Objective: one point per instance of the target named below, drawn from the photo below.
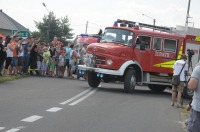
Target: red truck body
(133, 55)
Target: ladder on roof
(132, 24)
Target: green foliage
(58, 27)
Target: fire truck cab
(130, 54)
(87, 38)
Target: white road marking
(32, 118)
(75, 97)
(15, 129)
(54, 109)
(1, 128)
(84, 97)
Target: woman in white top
(9, 52)
(20, 50)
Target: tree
(58, 27)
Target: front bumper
(100, 70)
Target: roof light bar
(132, 24)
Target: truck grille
(100, 60)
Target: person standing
(82, 56)
(178, 65)
(46, 56)
(33, 57)
(20, 50)
(61, 64)
(74, 56)
(14, 43)
(193, 123)
(67, 58)
(26, 56)
(83, 53)
(2, 55)
(9, 52)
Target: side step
(163, 79)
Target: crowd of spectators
(34, 57)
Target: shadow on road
(144, 91)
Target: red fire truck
(130, 53)
(87, 38)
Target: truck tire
(187, 93)
(129, 81)
(157, 88)
(93, 80)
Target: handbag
(176, 78)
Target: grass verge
(11, 78)
(184, 115)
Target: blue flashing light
(83, 72)
(101, 75)
(84, 35)
(98, 74)
(79, 71)
(115, 23)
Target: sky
(103, 13)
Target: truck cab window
(143, 40)
(118, 36)
(170, 45)
(157, 43)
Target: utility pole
(154, 20)
(188, 14)
(86, 27)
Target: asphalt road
(37, 104)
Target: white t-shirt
(82, 53)
(177, 68)
(8, 51)
(21, 54)
(196, 98)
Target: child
(46, 56)
(61, 64)
(52, 66)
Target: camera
(190, 52)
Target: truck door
(164, 54)
(143, 51)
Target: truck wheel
(157, 88)
(93, 80)
(187, 93)
(129, 81)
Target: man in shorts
(178, 65)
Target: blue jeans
(193, 123)
(26, 60)
(14, 61)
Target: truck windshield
(119, 36)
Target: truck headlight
(109, 62)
